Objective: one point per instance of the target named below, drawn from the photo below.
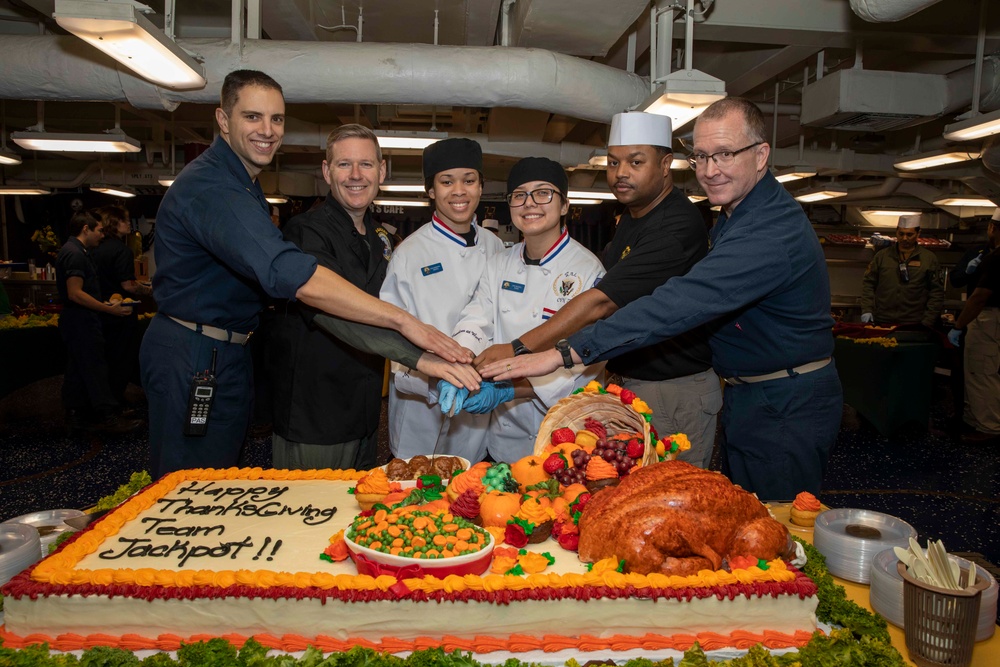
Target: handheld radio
(200, 401)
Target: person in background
(765, 288)
(902, 284)
(661, 235)
(433, 275)
(522, 287)
(116, 274)
(980, 321)
(218, 256)
(86, 392)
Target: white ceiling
(543, 80)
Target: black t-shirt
(115, 264)
(643, 255)
(73, 261)
(989, 271)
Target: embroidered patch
(383, 236)
(547, 313)
(512, 287)
(625, 252)
(432, 269)
(567, 285)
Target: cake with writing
(236, 553)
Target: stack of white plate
(49, 524)
(887, 593)
(19, 548)
(850, 538)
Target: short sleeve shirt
(74, 261)
(115, 264)
(990, 272)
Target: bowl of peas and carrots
(439, 542)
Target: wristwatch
(519, 347)
(563, 347)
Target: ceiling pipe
(64, 68)
(888, 11)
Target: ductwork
(887, 11)
(65, 68)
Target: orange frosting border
(60, 568)
(481, 644)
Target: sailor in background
(433, 275)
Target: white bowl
(476, 563)
(410, 483)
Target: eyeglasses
(721, 159)
(540, 196)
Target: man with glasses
(661, 235)
(902, 284)
(764, 288)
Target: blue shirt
(763, 287)
(217, 252)
(74, 261)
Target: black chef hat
(538, 169)
(452, 154)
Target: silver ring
(508, 368)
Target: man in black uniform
(661, 235)
(327, 394)
(86, 393)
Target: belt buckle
(247, 339)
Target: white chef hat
(908, 221)
(638, 128)
(996, 215)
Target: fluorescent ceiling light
(601, 162)
(715, 208)
(694, 199)
(410, 140)
(583, 202)
(885, 217)
(934, 159)
(590, 194)
(8, 157)
(115, 142)
(114, 190)
(680, 164)
(401, 202)
(117, 29)
(794, 174)
(276, 198)
(166, 181)
(960, 200)
(683, 95)
(23, 190)
(598, 158)
(973, 128)
(892, 212)
(402, 187)
(820, 194)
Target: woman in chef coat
(523, 286)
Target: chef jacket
(919, 300)
(514, 297)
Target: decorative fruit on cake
(529, 470)
(674, 518)
(497, 507)
(499, 478)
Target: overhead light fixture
(276, 198)
(964, 200)
(715, 208)
(973, 128)
(166, 181)
(683, 95)
(401, 202)
(114, 190)
(895, 212)
(601, 162)
(599, 158)
(590, 194)
(402, 187)
(885, 217)
(794, 174)
(694, 199)
(8, 157)
(934, 159)
(119, 30)
(680, 164)
(408, 140)
(820, 194)
(24, 190)
(76, 143)
(583, 202)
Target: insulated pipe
(887, 11)
(64, 68)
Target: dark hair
(753, 119)
(351, 131)
(238, 80)
(79, 221)
(110, 216)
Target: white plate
(49, 524)
(410, 483)
(475, 563)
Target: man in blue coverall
(765, 289)
(217, 257)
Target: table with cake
(597, 546)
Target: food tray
(410, 483)
(19, 548)
(849, 539)
(49, 524)
(476, 563)
(845, 239)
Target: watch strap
(519, 347)
(567, 355)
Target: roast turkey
(674, 518)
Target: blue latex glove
(954, 337)
(449, 395)
(490, 396)
(973, 264)
(867, 318)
